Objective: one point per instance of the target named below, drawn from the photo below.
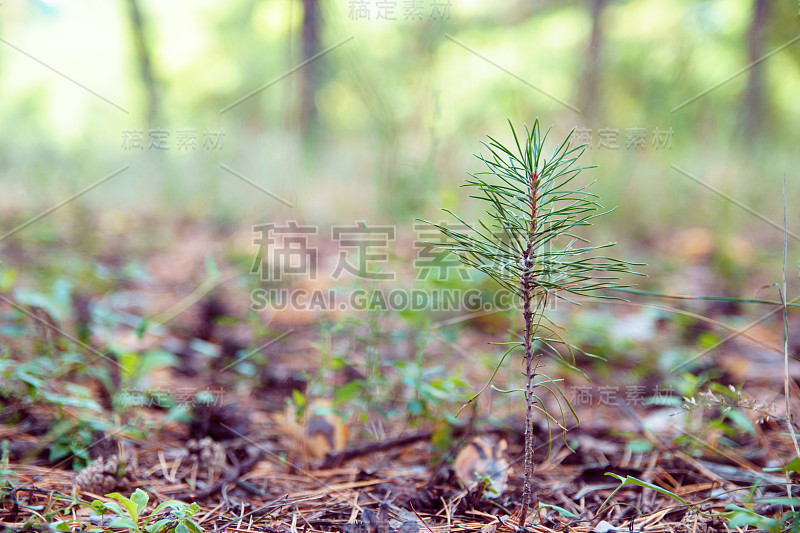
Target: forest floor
(316, 419)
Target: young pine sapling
(529, 247)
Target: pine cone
(102, 476)
(207, 454)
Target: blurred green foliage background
(359, 111)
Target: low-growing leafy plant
(428, 387)
(5, 473)
(529, 246)
(177, 515)
(741, 517)
(72, 439)
(630, 480)
(737, 515)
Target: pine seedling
(529, 246)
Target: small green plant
(6, 474)
(736, 515)
(361, 353)
(740, 517)
(71, 439)
(529, 247)
(630, 480)
(788, 521)
(428, 387)
(176, 519)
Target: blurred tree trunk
(308, 118)
(754, 99)
(141, 45)
(591, 69)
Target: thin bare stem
(528, 294)
(786, 328)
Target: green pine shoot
(529, 246)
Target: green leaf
(744, 517)
(130, 505)
(59, 449)
(140, 498)
(785, 500)
(638, 482)
(56, 303)
(298, 398)
(155, 359)
(563, 512)
(414, 407)
(665, 400)
(125, 523)
(639, 446)
(741, 420)
(7, 279)
(128, 364)
(115, 508)
(211, 268)
(102, 508)
(629, 480)
(347, 392)
(192, 526)
(792, 518)
(173, 504)
(793, 466)
(157, 526)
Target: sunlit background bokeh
(372, 110)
